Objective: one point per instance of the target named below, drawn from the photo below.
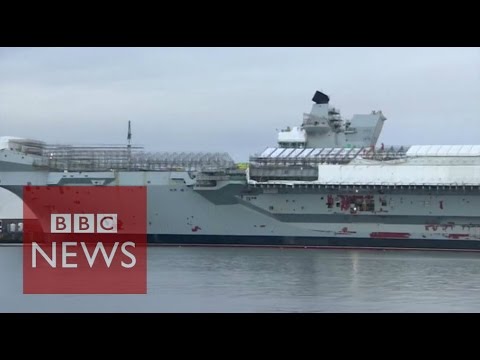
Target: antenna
(129, 136)
(129, 144)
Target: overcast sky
(234, 99)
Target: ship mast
(129, 144)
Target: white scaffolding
(118, 157)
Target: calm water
(273, 280)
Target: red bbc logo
(84, 240)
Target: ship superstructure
(325, 184)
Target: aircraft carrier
(325, 184)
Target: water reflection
(274, 280)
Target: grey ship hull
(234, 214)
(325, 186)
(245, 219)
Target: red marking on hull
(457, 236)
(196, 228)
(389, 235)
